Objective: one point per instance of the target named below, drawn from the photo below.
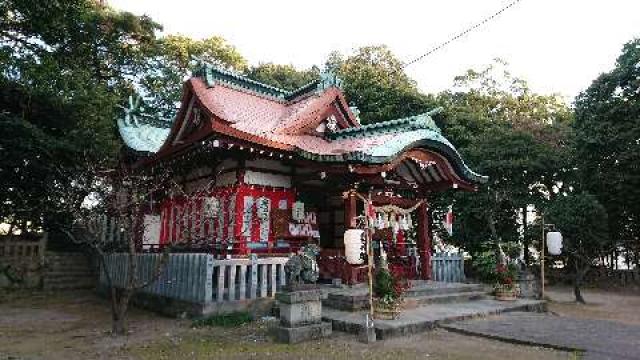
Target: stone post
(301, 316)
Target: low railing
(200, 278)
(447, 267)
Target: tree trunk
(119, 305)
(526, 240)
(579, 276)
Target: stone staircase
(67, 271)
(428, 304)
(420, 293)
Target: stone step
(426, 317)
(68, 286)
(70, 275)
(448, 298)
(58, 272)
(73, 270)
(64, 253)
(67, 261)
(353, 299)
(70, 280)
(437, 288)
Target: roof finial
(329, 79)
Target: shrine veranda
(268, 170)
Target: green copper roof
(212, 74)
(413, 132)
(422, 121)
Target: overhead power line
(461, 34)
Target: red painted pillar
(424, 241)
(240, 241)
(350, 211)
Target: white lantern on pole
(353, 246)
(554, 242)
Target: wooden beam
(424, 242)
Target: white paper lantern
(353, 246)
(554, 242)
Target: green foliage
(517, 138)
(483, 266)
(607, 145)
(65, 69)
(66, 66)
(582, 220)
(171, 61)
(389, 286)
(283, 76)
(376, 83)
(383, 285)
(233, 319)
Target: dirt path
(76, 326)
(71, 326)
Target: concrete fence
(21, 261)
(18, 249)
(447, 267)
(201, 279)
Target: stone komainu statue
(303, 268)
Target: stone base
(303, 333)
(529, 285)
(367, 335)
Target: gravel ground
(76, 326)
(622, 305)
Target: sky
(558, 46)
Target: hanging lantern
(353, 246)
(554, 242)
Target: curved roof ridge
(211, 73)
(415, 122)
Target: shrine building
(262, 170)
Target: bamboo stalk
(369, 255)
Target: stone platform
(420, 293)
(426, 317)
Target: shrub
(390, 285)
(484, 266)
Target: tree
(607, 148)
(582, 220)
(283, 76)
(118, 201)
(122, 197)
(374, 81)
(171, 61)
(65, 67)
(518, 138)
